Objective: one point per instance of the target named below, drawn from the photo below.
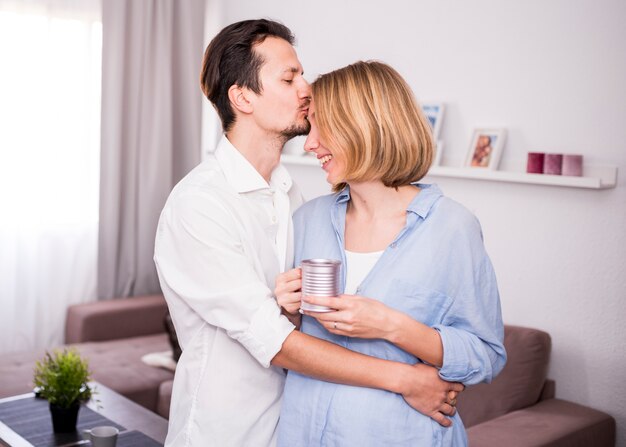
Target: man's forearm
(332, 363)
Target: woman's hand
(287, 291)
(355, 316)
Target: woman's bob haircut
(367, 115)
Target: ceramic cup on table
(103, 436)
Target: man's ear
(238, 97)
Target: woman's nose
(311, 143)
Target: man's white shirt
(223, 236)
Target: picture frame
(438, 152)
(485, 149)
(434, 113)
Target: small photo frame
(438, 152)
(434, 113)
(486, 148)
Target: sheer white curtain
(49, 165)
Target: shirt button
(358, 289)
(274, 219)
(393, 245)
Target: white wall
(554, 74)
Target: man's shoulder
(205, 178)
(204, 183)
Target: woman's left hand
(355, 316)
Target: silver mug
(320, 277)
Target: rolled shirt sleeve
(222, 281)
(472, 333)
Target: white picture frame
(434, 113)
(438, 151)
(485, 149)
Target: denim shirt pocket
(425, 305)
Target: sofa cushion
(165, 397)
(519, 384)
(117, 364)
(16, 372)
(550, 423)
(115, 319)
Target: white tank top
(358, 265)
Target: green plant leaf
(63, 378)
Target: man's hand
(287, 291)
(432, 396)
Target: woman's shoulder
(450, 214)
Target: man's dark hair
(230, 60)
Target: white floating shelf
(596, 177)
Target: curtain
(151, 115)
(49, 165)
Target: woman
(418, 284)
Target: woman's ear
(238, 97)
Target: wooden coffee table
(111, 405)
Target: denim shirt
(437, 271)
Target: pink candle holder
(572, 165)
(552, 164)
(534, 165)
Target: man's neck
(261, 150)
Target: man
(224, 235)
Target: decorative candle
(573, 165)
(534, 165)
(552, 164)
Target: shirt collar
(424, 201)
(242, 176)
(420, 205)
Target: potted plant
(63, 379)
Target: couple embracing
(419, 317)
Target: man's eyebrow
(292, 70)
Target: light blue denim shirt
(437, 271)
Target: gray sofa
(518, 409)
(113, 335)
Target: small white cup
(104, 436)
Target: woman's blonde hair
(367, 114)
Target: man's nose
(305, 89)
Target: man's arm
(420, 385)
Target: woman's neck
(373, 199)
(375, 215)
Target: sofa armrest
(548, 391)
(550, 423)
(115, 319)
